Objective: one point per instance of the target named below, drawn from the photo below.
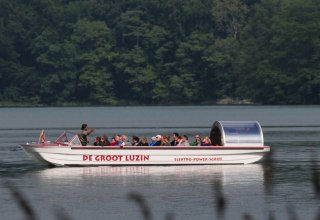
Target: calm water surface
(180, 192)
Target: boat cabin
(236, 133)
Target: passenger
(158, 140)
(206, 142)
(135, 141)
(124, 139)
(143, 141)
(165, 141)
(114, 141)
(176, 139)
(96, 141)
(121, 141)
(117, 139)
(153, 141)
(84, 134)
(197, 141)
(184, 141)
(104, 141)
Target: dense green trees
(281, 50)
(159, 52)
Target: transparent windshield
(65, 137)
(75, 141)
(242, 132)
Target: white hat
(158, 136)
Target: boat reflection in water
(185, 191)
(244, 174)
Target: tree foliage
(159, 52)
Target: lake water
(170, 192)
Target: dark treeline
(107, 52)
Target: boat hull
(130, 155)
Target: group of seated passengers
(183, 140)
(121, 140)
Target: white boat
(234, 142)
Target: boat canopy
(236, 133)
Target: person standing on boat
(84, 134)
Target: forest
(159, 52)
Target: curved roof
(237, 133)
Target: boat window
(236, 133)
(242, 132)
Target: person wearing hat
(158, 140)
(84, 134)
(153, 141)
